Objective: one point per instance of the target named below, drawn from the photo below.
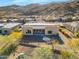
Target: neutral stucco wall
(54, 30)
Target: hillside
(70, 8)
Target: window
(5, 31)
(0, 31)
(49, 32)
(38, 31)
(28, 32)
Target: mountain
(68, 8)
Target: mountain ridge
(69, 8)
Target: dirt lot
(25, 48)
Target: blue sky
(25, 2)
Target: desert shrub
(10, 43)
(43, 52)
(68, 55)
(65, 54)
(9, 49)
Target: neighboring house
(9, 27)
(72, 26)
(1, 25)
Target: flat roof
(42, 23)
(11, 25)
(38, 27)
